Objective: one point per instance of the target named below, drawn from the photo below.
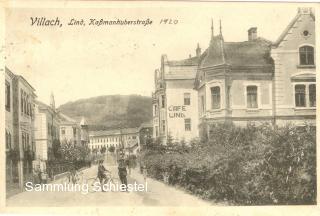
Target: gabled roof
(66, 119)
(292, 23)
(9, 72)
(182, 69)
(185, 62)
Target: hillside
(110, 111)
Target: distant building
(175, 102)
(84, 131)
(70, 130)
(145, 132)
(47, 130)
(295, 71)
(126, 139)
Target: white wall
(177, 112)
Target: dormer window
(306, 54)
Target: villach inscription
(177, 111)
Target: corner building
(175, 103)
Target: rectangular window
(187, 99)
(252, 97)
(187, 124)
(157, 131)
(27, 106)
(25, 103)
(155, 110)
(63, 131)
(162, 101)
(300, 95)
(203, 106)
(163, 126)
(312, 95)
(215, 97)
(306, 55)
(8, 96)
(21, 100)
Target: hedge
(244, 166)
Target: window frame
(189, 128)
(258, 95)
(307, 95)
(7, 96)
(187, 98)
(211, 97)
(315, 95)
(306, 53)
(163, 101)
(304, 96)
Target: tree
(103, 150)
(56, 146)
(112, 149)
(95, 151)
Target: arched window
(306, 54)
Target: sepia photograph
(179, 104)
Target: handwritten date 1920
(169, 21)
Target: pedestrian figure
(122, 170)
(145, 172)
(166, 177)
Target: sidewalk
(162, 194)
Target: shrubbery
(247, 166)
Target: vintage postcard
(190, 107)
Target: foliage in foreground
(244, 166)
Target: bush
(247, 166)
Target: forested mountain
(110, 111)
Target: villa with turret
(243, 83)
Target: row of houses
(32, 129)
(128, 140)
(247, 82)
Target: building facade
(10, 147)
(175, 103)
(20, 140)
(243, 83)
(84, 127)
(126, 139)
(70, 130)
(145, 132)
(234, 81)
(47, 130)
(294, 55)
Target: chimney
(252, 34)
(198, 51)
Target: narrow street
(157, 194)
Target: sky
(75, 62)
